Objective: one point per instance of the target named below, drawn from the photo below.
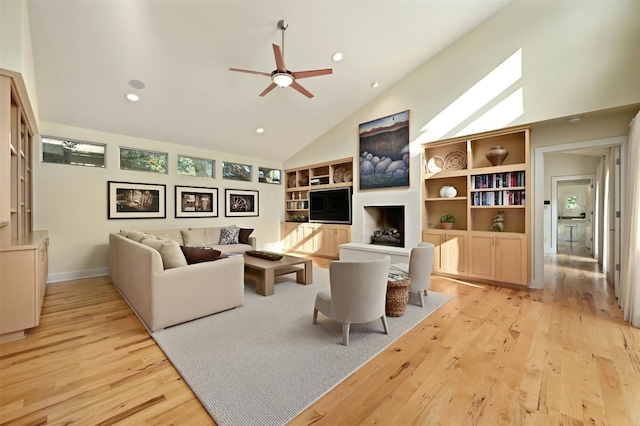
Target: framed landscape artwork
(193, 201)
(127, 200)
(384, 152)
(240, 203)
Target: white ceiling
(86, 52)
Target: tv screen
(330, 205)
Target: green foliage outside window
(146, 161)
(236, 171)
(199, 167)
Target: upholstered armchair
(357, 295)
(418, 269)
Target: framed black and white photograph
(128, 200)
(194, 201)
(240, 203)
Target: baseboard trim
(76, 275)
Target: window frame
(213, 166)
(148, 151)
(61, 139)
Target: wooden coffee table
(264, 271)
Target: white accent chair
(357, 296)
(418, 269)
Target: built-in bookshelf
(299, 181)
(486, 192)
(23, 251)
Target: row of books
(297, 205)
(498, 198)
(498, 180)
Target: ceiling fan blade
(301, 89)
(268, 89)
(311, 73)
(250, 72)
(277, 52)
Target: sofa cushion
(200, 237)
(243, 238)
(138, 236)
(229, 235)
(200, 254)
(172, 256)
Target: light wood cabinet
(498, 256)
(450, 253)
(314, 238)
(23, 274)
(23, 252)
(483, 190)
(299, 181)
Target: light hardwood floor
(562, 355)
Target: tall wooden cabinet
(297, 234)
(23, 252)
(473, 249)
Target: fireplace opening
(385, 225)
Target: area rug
(265, 362)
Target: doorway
(572, 207)
(537, 255)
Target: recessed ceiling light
(375, 84)
(137, 84)
(259, 130)
(574, 119)
(132, 97)
(337, 57)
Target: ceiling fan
(281, 76)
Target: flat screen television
(330, 205)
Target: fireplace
(385, 225)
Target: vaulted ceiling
(87, 52)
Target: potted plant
(447, 220)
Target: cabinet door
(511, 259)
(290, 236)
(454, 253)
(482, 255)
(307, 234)
(436, 238)
(19, 292)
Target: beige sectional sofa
(152, 274)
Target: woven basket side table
(397, 295)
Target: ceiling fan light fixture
(282, 79)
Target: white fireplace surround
(363, 227)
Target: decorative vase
(448, 192)
(496, 155)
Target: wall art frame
(196, 201)
(132, 200)
(241, 203)
(384, 149)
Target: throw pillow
(243, 238)
(138, 236)
(193, 237)
(170, 252)
(229, 236)
(199, 254)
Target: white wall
(573, 57)
(16, 52)
(71, 201)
